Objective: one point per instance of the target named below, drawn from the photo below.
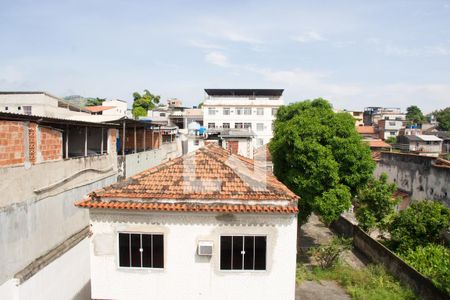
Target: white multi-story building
(254, 109)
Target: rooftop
(365, 129)
(217, 182)
(98, 108)
(245, 92)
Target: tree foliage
(143, 103)
(391, 140)
(328, 255)
(375, 202)
(433, 261)
(94, 101)
(319, 155)
(420, 224)
(414, 114)
(443, 118)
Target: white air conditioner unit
(205, 248)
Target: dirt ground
(311, 234)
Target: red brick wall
(12, 150)
(32, 129)
(50, 144)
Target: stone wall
(418, 175)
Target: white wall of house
(213, 113)
(68, 277)
(187, 275)
(120, 108)
(40, 104)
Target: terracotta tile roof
(365, 129)
(218, 182)
(98, 108)
(378, 144)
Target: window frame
(223, 125)
(266, 269)
(247, 111)
(211, 111)
(258, 110)
(139, 268)
(262, 127)
(226, 109)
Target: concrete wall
(187, 275)
(141, 161)
(65, 278)
(37, 214)
(378, 253)
(417, 175)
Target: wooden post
(144, 138)
(85, 141)
(101, 149)
(67, 142)
(135, 142)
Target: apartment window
(238, 125)
(239, 111)
(196, 142)
(27, 110)
(211, 111)
(141, 250)
(274, 111)
(247, 111)
(259, 126)
(392, 123)
(211, 125)
(243, 252)
(6, 108)
(247, 125)
(226, 111)
(260, 111)
(226, 125)
(392, 133)
(162, 114)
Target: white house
(207, 225)
(243, 108)
(38, 104)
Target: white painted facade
(39, 104)
(120, 108)
(65, 278)
(259, 111)
(186, 275)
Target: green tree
(143, 103)
(375, 202)
(94, 101)
(414, 114)
(420, 224)
(200, 105)
(319, 155)
(391, 140)
(443, 118)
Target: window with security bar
(243, 252)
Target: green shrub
(328, 255)
(375, 202)
(433, 261)
(420, 224)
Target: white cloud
(204, 45)
(236, 36)
(217, 58)
(397, 50)
(310, 36)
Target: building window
(27, 110)
(392, 123)
(141, 250)
(239, 111)
(162, 114)
(196, 142)
(259, 126)
(226, 111)
(247, 125)
(243, 252)
(19, 108)
(211, 111)
(247, 111)
(6, 108)
(260, 111)
(274, 111)
(238, 125)
(211, 125)
(392, 132)
(226, 125)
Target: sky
(353, 53)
